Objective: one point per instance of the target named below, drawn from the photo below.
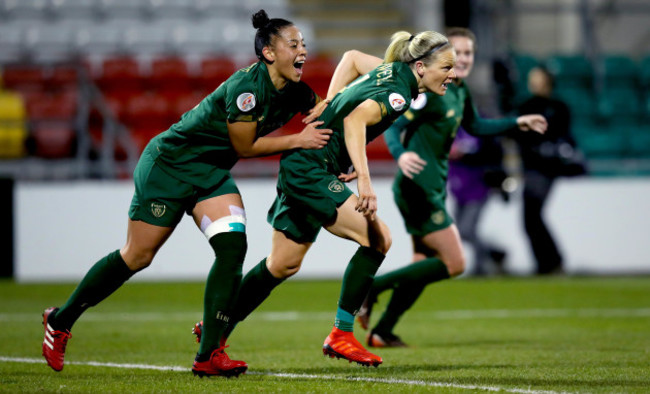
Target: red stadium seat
(53, 140)
(121, 77)
(52, 106)
(184, 103)
(24, 78)
(148, 111)
(378, 150)
(213, 71)
(170, 77)
(317, 73)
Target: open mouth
(298, 66)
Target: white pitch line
(296, 316)
(294, 376)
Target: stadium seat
(120, 77)
(637, 136)
(101, 39)
(598, 140)
(170, 76)
(11, 42)
(616, 102)
(50, 42)
(148, 110)
(571, 70)
(24, 77)
(619, 71)
(146, 40)
(53, 106)
(13, 130)
(53, 140)
(75, 9)
(317, 73)
(644, 72)
(34, 10)
(581, 102)
(184, 103)
(378, 150)
(213, 71)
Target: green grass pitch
(520, 335)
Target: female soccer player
(420, 189)
(311, 195)
(187, 169)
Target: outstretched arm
(242, 136)
(352, 65)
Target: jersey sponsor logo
(336, 186)
(246, 102)
(396, 101)
(419, 101)
(157, 209)
(438, 217)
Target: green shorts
(423, 213)
(161, 199)
(308, 196)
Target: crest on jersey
(158, 209)
(419, 101)
(246, 102)
(396, 101)
(450, 113)
(336, 186)
(438, 217)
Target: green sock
(429, 270)
(402, 300)
(357, 281)
(221, 288)
(344, 320)
(408, 282)
(106, 276)
(255, 288)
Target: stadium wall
(61, 229)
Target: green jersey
(430, 126)
(309, 191)
(197, 149)
(393, 86)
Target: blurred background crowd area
(86, 83)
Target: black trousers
(536, 190)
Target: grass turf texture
(505, 334)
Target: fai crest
(336, 186)
(438, 217)
(158, 209)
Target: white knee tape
(226, 224)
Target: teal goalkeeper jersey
(197, 149)
(392, 85)
(429, 128)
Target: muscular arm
(352, 65)
(242, 136)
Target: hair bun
(260, 19)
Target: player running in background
(428, 130)
(311, 193)
(186, 169)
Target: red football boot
(219, 364)
(198, 330)
(375, 339)
(54, 342)
(343, 344)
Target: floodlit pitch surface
(520, 335)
